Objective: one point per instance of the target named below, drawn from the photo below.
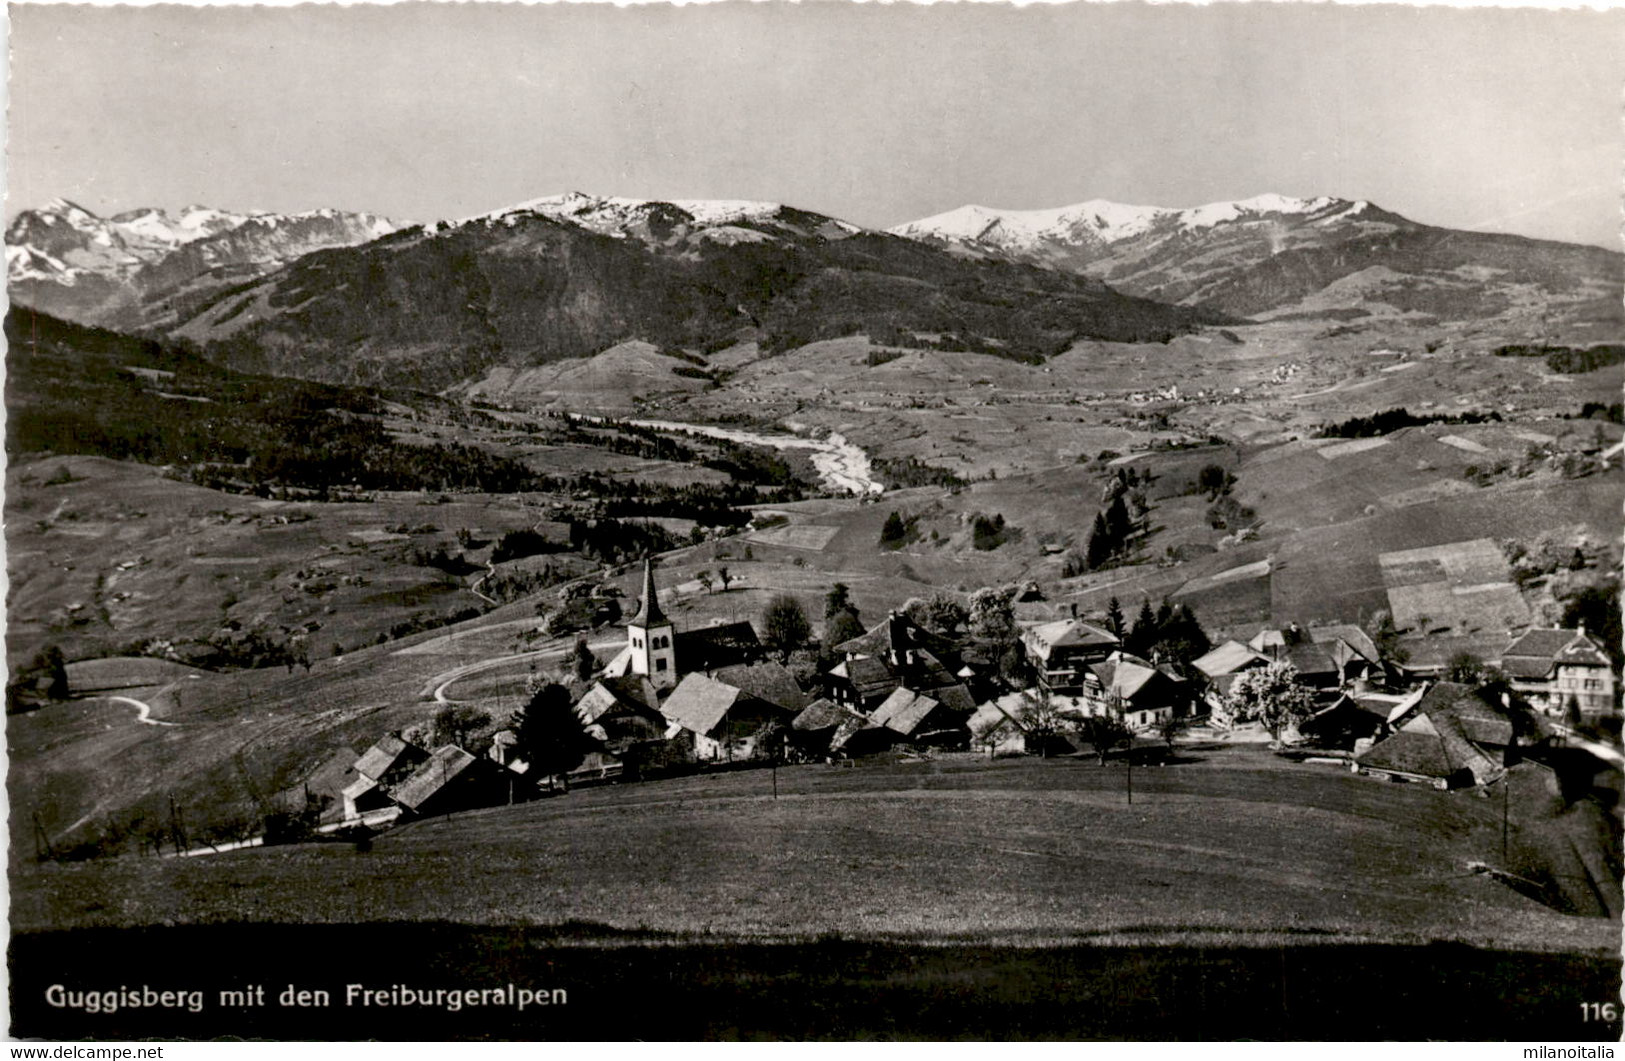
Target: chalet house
(1347, 723)
(387, 763)
(622, 711)
(1325, 657)
(454, 779)
(1547, 667)
(998, 727)
(722, 721)
(1450, 735)
(895, 654)
(1134, 690)
(920, 719)
(1220, 666)
(815, 727)
(1060, 651)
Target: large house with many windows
(1549, 668)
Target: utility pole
(1506, 797)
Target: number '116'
(1604, 1011)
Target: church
(656, 650)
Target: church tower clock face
(651, 638)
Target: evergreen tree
(584, 661)
(56, 673)
(1143, 637)
(1114, 617)
(1118, 523)
(894, 531)
(550, 735)
(1098, 553)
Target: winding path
(143, 711)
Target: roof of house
(1535, 653)
(1350, 635)
(869, 676)
(1426, 755)
(766, 681)
(444, 765)
(1310, 658)
(1227, 658)
(699, 703)
(1069, 633)
(721, 645)
(1461, 708)
(387, 752)
(359, 787)
(649, 613)
(1130, 678)
(820, 715)
(1006, 711)
(955, 697)
(903, 711)
(632, 692)
(896, 631)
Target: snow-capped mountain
(667, 221)
(1100, 221)
(1279, 254)
(64, 259)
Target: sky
(1494, 119)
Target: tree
(941, 614)
(1101, 546)
(724, 578)
(1042, 723)
(1571, 713)
(456, 724)
(1465, 668)
(838, 600)
(1143, 637)
(549, 735)
(705, 579)
(894, 531)
(56, 673)
(784, 625)
(843, 626)
(1213, 480)
(584, 661)
(1114, 617)
(993, 614)
(1385, 635)
(1105, 734)
(1271, 695)
(1169, 730)
(1597, 609)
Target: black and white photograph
(815, 521)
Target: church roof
(649, 613)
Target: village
(938, 679)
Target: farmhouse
(1450, 735)
(387, 763)
(721, 720)
(816, 726)
(1134, 690)
(622, 711)
(1060, 651)
(1550, 667)
(895, 654)
(1346, 723)
(453, 779)
(921, 719)
(998, 726)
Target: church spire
(649, 613)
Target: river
(841, 465)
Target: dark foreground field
(833, 988)
(1239, 895)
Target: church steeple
(651, 638)
(649, 613)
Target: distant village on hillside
(938, 678)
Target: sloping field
(1232, 843)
